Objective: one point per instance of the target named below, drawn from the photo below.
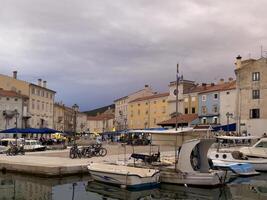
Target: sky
(92, 52)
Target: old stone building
(41, 99)
(251, 84)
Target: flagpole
(176, 117)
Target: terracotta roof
(151, 97)
(100, 117)
(220, 87)
(9, 93)
(181, 119)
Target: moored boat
(129, 177)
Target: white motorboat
(259, 164)
(129, 177)
(193, 166)
(258, 150)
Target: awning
(229, 127)
(29, 130)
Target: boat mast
(176, 115)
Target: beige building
(251, 85)
(121, 106)
(41, 99)
(101, 123)
(82, 125)
(147, 112)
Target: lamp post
(228, 115)
(75, 108)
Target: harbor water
(24, 187)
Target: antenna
(261, 51)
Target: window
(163, 100)
(215, 120)
(38, 105)
(139, 104)
(255, 94)
(193, 110)
(138, 112)
(204, 120)
(33, 90)
(216, 96)
(204, 97)
(42, 92)
(193, 98)
(146, 112)
(51, 96)
(262, 144)
(155, 102)
(33, 104)
(227, 93)
(185, 99)
(204, 109)
(155, 120)
(175, 92)
(255, 76)
(186, 111)
(215, 108)
(254, 113)
(16, 99)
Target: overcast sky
(94, 51)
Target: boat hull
(125, 178)
(215, 178)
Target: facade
(82, 126)
(228, 103)
(251, 84)
(147, 112)
(121, 106)
(12, 107)
(101, 123)
(41, 99)
(209, 102)
(59, 109)
(41, 105)
(184, 85)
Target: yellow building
(146, 112)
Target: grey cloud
(93, 51)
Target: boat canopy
(237, 137)
(194, 152)
(229, 127)
(167, 131)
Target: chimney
(44, 84)
(230, 79)
(15, 73)
(146, 86)
(221, 81)
(204, 85)
(40, 82)
(238, 62)
(212, 84)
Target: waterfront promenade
(57, 163)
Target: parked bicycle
(15, 150)
(94, 150)
(75, 152)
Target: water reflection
(14, 186)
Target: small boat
(241, 169)
(193, 168)
(230, 157)
(124, 176)
(258, 150)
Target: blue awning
(29, 130)
(229, 127)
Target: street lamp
(75, 108)
(228, 115)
